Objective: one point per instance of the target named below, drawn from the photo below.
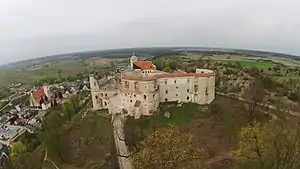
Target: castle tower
(47, 91)
(132, 59)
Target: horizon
(132, 48)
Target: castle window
(101, 94)
(127, 84)
(196, 88)
(188, 98)
(166, 91)
(96, 97)
(174, 81)
(206, 92)
(176, 87)
(131, 101)
(134, 95)
(153, 96)
(166, 99)
(177, 94)
(136, 85)
(105, 103)
(166, 81)
(105, 95)
(145, 97)
(125, 94)
(188, 90)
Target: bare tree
(255, 96)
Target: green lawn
(179, 115)
(250, 63)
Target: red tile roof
(144, 65)
(38, 94)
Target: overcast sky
(35, 28)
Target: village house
(140, 89)
(41, 98)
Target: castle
(140, 89)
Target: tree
(68, 109)
(167, 149)
(255, 96)
(52, 134)
(274, 145)
(167, 69)
(174, 64)
(17, 149)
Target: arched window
(145, 97)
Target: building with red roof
(144, 65)
(41, 98)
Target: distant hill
(153, 51)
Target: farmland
(40, 72)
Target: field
(40, 72)
(258, 62)
(251, 63)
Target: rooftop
(38, 94)
(144, 65)
(178, 73)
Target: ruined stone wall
(139, 94)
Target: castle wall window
(177, 94)
(153, 96)
(188, 90)
(174, 81)
(127, 84)
(166, 99)
(101, 94)
(206, 91)
(166, 81)
(96, 97)
(166, 91)
(105, 95)
(145, 97)
(105, 103)
(188, 98)
(196, 88)
(176, 87)
(136, 85)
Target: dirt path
(122, 150)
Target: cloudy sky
(34, 28)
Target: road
(122, 150)
(10, 100)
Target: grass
(251, 63)
(178, 115)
